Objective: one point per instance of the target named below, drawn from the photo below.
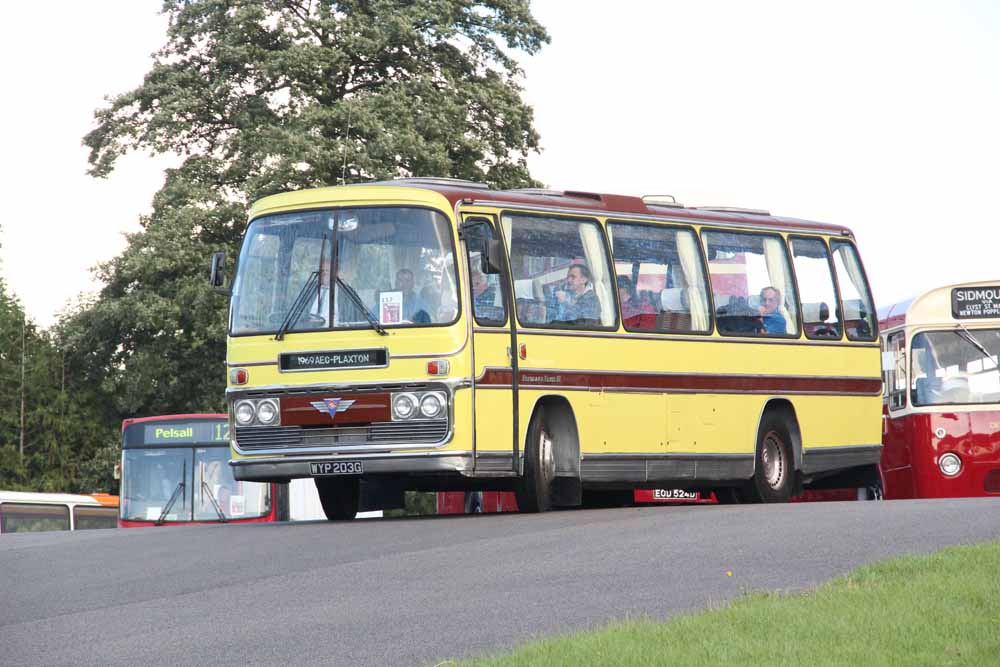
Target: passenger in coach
(414, 308)
(773, 322)
(632, 308)
(483, 293)
(578, 303)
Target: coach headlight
(267, 412)
(404, 406)
(950, 464)
(431, 405)
(244, 413)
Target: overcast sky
(880, 116)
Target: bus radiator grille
(381, 433)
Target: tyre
(534, 489)
(340, 497)
(774, 468)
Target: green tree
(260, 96)
(268, 95)
(63, 425)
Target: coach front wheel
(534, 489)
(340, 497)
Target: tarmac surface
(419, 591)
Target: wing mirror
(216, 278)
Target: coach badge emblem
(332, 406)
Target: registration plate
(675, 494)
(665, 495)
(335, 468)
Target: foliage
(268, 95)
(259, 96)
(63, 428)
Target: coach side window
(486, 289)
(751, 284)
(859, 314)
(661, 278)
(814, 274)
(33, 518)
(559, 267)
(895, 375)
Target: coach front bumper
(459, 463)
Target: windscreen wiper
(300, 302)
(972, 340)
(215, 503)
(364, 309)
(178, 490)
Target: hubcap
(547, 461)
(773, 460)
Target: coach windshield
(349, 268)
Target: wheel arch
(559, 416)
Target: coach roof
(606, 205)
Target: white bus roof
(930, 308)
(47, 498)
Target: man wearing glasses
(773, 322)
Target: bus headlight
(267, 412)
(404, 406)
(950, 464)
(431, 405)
(244, 413)
(257, 412)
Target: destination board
(169, 433)
(333, 360)
(975, 302)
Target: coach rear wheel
(534, 489)
(340, 497)
(774, 472)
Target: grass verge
(941, 609)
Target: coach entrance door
(489, 304)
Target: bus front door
(493, 340)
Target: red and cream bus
(941, 423)
(439, 335)
(175, 470)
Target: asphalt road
(422, 590)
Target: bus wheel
(774, 472)
(534, 489)
(340, 497)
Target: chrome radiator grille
(378, 433)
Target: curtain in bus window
(548, 290)
(777, 269)
(687, 251)
(658, 291)
(593, 248)
(751, 284)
